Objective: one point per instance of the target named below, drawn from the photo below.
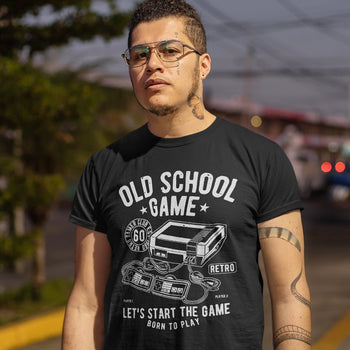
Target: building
(308, 139)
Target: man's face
(163, 88)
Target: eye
(142, 54)
(170, 48)
(139, 52)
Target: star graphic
(204, 207)
(143, 210)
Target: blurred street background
(279, 67)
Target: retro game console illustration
(185, 243)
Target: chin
(162, 110)
(157, 104)
(160, 106)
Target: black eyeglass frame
(125, 53)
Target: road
(327, 243)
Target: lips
(155, 82)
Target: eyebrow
(154, 42)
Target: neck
(190, 120)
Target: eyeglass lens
(168, 51)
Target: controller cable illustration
(208, 284)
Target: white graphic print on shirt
(192, 183)
(176, 245)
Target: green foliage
(48, 123)
(40, 191)
(53, 112)
(9, 198)
(73, 19)
(56, 116)
(18, 304)
(36, 192)
(13, 248)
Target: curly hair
(152, 10)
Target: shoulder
(123, 149)
(244, 139)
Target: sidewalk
(32, 331)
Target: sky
(298, 50)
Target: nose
(154, 63)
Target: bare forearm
(282, 245)
(83, 329)
(291, 326)
(84, 321)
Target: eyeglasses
(167, 51)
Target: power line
(319, 25)
(290, 68)
(262, 28)
(300, 71)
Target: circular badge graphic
(137, 235)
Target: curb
(32, 331)
(335, 336)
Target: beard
(162, 111)
(168, 110)
(195, 85)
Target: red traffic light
(326, 167)
(339, 167)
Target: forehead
(163, 29)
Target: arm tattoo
(297, 295)
(195, 102)
(291, 332)
(279, 232)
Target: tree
(21, 27)
(50, 115)
(54, 115)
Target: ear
(205, 65)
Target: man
(170, 219)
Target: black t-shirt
(181, 217)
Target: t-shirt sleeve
(86, 204)
(279, 192)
